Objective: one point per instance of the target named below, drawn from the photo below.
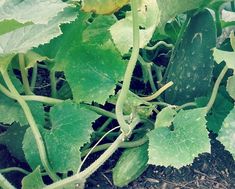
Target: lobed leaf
(70, 130)
(89, 59)
(23, 39)
(179, 147)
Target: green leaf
(103, 6)
(165, 117)
(10, 25)
(36, 11)
(231, 86)
(25, 38)
(33, 180)
(179, 147)
(217, 113)
(93, 71)
(91, 63)
(226, 56)
(15, 113)
(149, 18)
(227, 133)
(70, 130)
(12, 139)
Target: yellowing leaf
(103, 6)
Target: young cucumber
(130, 165)
(191, 63)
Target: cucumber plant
(90, 54)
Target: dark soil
(208, 171)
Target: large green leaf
(103, 6)
(149, 18)
(227, 132)
(179, 147)
(25, 38)
(70, 130)
(36, 11)
(33, 180)
(93, 72)
(88, 57)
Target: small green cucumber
(191, 64)
(130, 165)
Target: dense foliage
(151, 76)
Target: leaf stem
(43, 99)
(33, 126)
(216, 88)
(4, 183)
(189, 104)
(129, 71)
(24, 75)
(53, 84)
(79, 177)
(34, 77)
(158, 92)
(122, 145)
(10, 169)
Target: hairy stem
(79, 177)
(216, 88)
(122, 145)
(33, 126)
(129, 71)
(24, 75)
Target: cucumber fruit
(191, 63)
(130, 165)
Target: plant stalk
(33, 126)
(129, 71)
